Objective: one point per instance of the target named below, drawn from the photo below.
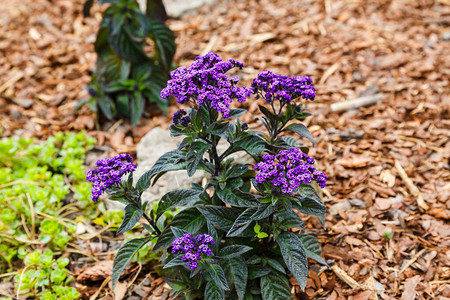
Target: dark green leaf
(220, 216)
(236, 171)
(301, 130)
(213, 291)
(169, 161)
(132, 216)
(237, 274)
(137, 107)
(252, 144)
(276, 265)
(263, 211)
(195, 154)
(218, 276)
(175, 262)
(177, 198)
(257, 271)
(289, 219)
(233, 251)
(124, 255)
(177, 232)
(189, 219)
(165, 43)
(217, 128)
(105, 104)
(242, 222)
(237, 198)
(309, 206)
(294, 256)
(275, 286)
(312, 247)
(237, 112)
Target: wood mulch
(388, 192)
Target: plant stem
(158, 232)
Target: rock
(179, 8)
(357, 203)
(154, 144)
(344, 206)
(157, 142)
(445, 36)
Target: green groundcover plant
(34, 187)
(239, 236)
(127, 75)
(45, 277)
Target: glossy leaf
(301, 130)
(218, 275)
(132, 216)
(124, 255)
(176, 198)
(294, 256)
(275, 286)
(312, 248)
(233, 251)
(213, 291)
(220, 216)
(242, 222)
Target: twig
(412, 260)
(20, 281)
(411, 186)
(344, 277)
(329, 71)
(33, 222)
(356, 103)
(104, 283)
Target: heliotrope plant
(234, 237)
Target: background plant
(127, 75)
(37, 183)
(248, 215)
(45, 278)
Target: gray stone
(445, 36)
(344, 206)
(179, 8)
(157, 142)
(357, 203)
(154, 144)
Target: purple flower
(193, 248)
(273, 87)
(180, 118)
(288, 170)
(108, 172)
(205, 81)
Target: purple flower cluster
(206, 82)
(193, 248)
(108, 172)
(180, 118)
(288, 170)
(273, 87)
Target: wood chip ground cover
(388, 163)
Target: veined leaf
(220, 216)
(213, 291)
(237, 274)
(233, 251)
(124, 256)
(294, 256)
(218, 276)
(189, 219)
(242, 222)
(132, 216)
(237, 198)
(169, 161)
(301, 130)
(275, 286)
(177, 198)
(312, 247)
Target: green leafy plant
(234, 237)
(45, 278)
(127, 75)
(36, 181)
